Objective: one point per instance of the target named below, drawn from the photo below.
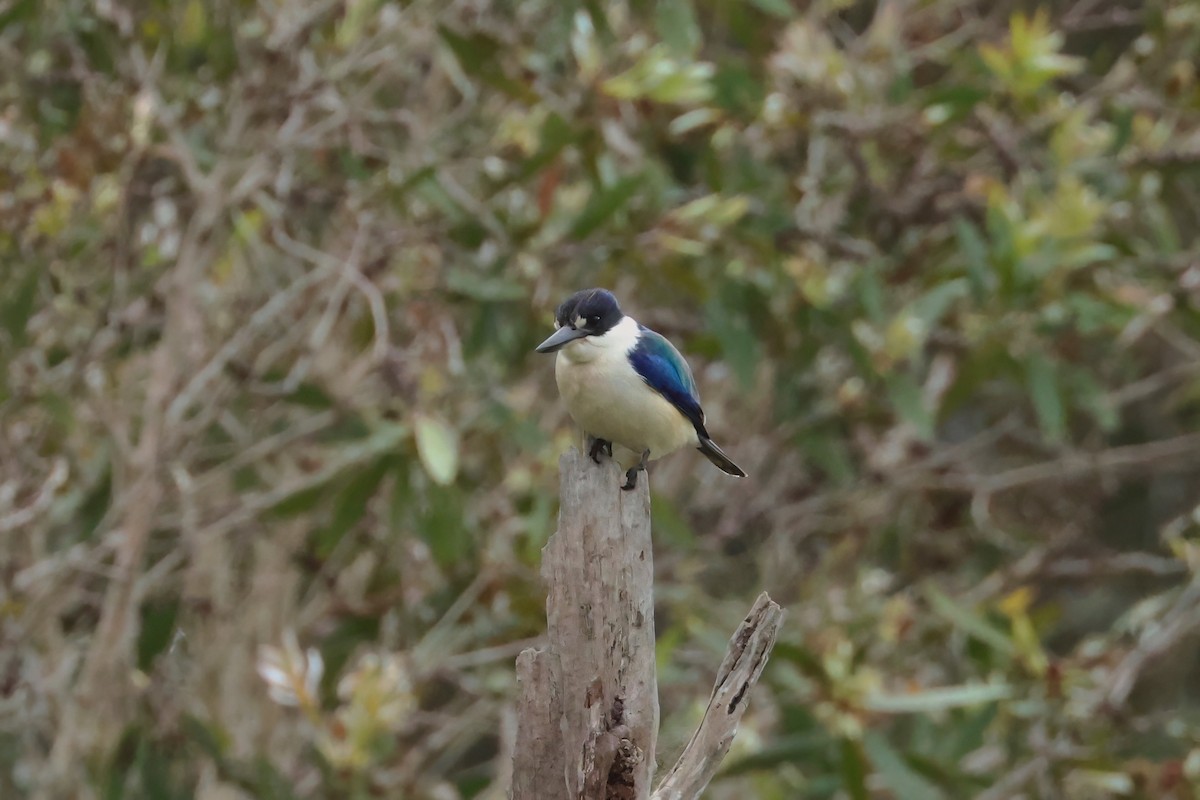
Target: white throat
(617, 341)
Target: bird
(626, 386)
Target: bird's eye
(593, 319)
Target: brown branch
(1180, 621)
(1003, 138)
(739, 672)
(1164, 451)
(1084, 22)
(1161, 454)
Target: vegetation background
(277, 458)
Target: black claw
(632, 473)
(599, 446)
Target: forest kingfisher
(626, 386)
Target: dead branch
(748, 651)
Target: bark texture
(587, 714)
(596, 674)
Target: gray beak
(560, 337)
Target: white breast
(609, 400)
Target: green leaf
(429, 188)
(310, 395)
(854, 771)
(1122, 121)
(208, 738)
(603, 204)
(478, 53)
(298, 502)
(797, 748)
(156, 631)
(96, 502)
(155, 774)
(487, 288)
(970, 732)
(931, 306)
(382, 439)
(555, 135)
(974, 251)
(1004, 259)
(437, 445)
(119, 769)
(470, 233)
(776, 8)
(268, 783)
(938, 699)
(350, 635)
(954, 102)
(908, 331)
(670, 526)
(18, 11)
(974, 625)
(906, 399)
(728, 319)
(192, 27)
(901, 779)
(15, 314)
(351, 504)
(353, 166)
(736, 88)
(688, 85)
(828, 452)
(442, 526)
(664, 78)
(691, 120)
(1041, 375)
(677, 27)
(804, 659)
(1093, 398)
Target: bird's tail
(716, 456)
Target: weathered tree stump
(587, 715)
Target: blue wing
(662, 367)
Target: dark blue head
(592, 312)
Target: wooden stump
(587, 714)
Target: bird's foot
(631, 474)
(598, 446)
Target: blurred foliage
(277, 460)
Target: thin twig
(1015, 779)
(22, 516)
(1181, 619)
(258, 321)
